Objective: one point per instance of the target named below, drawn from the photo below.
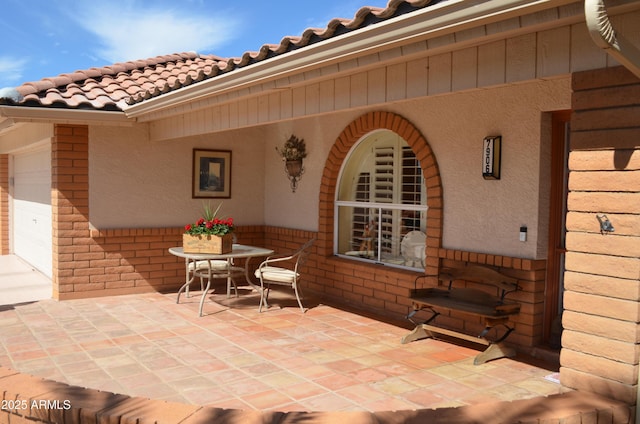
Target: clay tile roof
(115, 86)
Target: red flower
(209, 225)
(200, 221)
(187, 227)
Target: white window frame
(372, 205)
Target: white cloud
(11, 70)
(137, 32)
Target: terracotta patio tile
(269, 400)
(303, 390)
(362, 393)
(245, 386)
(328, 401)
(336, 382)
(389, 404)
(239, 358)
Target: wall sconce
(491, 155)
(293, 152)
(605, 224)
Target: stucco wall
(486, 215)
(479, 215)
(137, 183)
(131, 175)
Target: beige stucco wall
(25, 136)
(136, 183)
(130, 175)
(479, 215)
(486, 215)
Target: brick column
(70, 208)
(602, 279)
(4, 204)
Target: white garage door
(31, 217)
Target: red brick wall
(70, 208)
(4, 204)
(601, 337)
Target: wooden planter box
(207, 244)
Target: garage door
(31, 214)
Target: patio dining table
(194, 267)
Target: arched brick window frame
(349, 136)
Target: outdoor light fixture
(491, 154)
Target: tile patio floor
(234, 357)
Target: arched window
(381, 203)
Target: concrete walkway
(20, 282)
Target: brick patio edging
(29, 399)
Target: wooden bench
(493, 310)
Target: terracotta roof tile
(113, 87)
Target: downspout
(605, 36)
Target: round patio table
(209, 266)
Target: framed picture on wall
(211, 173)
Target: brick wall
(70, 207)
(601, 338)
(4, 204)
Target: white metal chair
(287, 274)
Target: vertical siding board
(252, 111)
(312, 99)
(521, 58)
(358, 89)
(263, 107)
(554, 53)
(243, 110)
(584, 53)
(327, 96)
(397, 82)
(274, 106)
(286, 104)
(342, 93)
(417, 77)
(298, 101)
(376, 86)
(214, 120)
(234, 115)
(464, 69)
(224, 117)
(440, 74)
(491, 64)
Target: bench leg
(417, 333)
(494, 351)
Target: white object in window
(381, 197)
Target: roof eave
(11, 115)
(446, 16)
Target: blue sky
(44, 38)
